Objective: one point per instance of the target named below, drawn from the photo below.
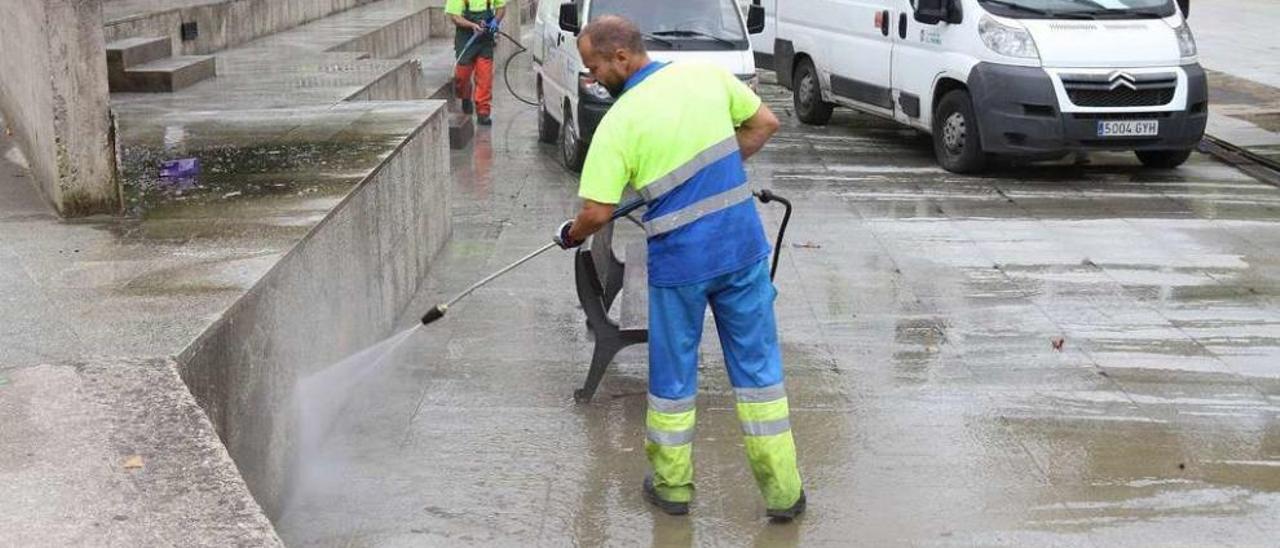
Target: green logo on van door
(930, 36)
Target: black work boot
(467, 106)
(788, 514)
(670, 507)
(484, 120)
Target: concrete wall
(336, 292)
(226, 24)
(395, 39)
(53, 94)
(405, 83)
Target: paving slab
(1236, 43)
(116, 452)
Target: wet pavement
(1080, 354)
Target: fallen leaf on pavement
(1058, 342)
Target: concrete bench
(603, 281)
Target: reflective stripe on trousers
(669, 446)
(766, 429)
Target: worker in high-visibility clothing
(473, 43)
(678, 134)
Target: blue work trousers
(742, 303)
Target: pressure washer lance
(764, 195)
(439, 310)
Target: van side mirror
(1185, 6)
(569, 17)
(755, 19)
(931, 12)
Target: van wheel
(572, 151)
(955, 134)
(548, 128)
(807, 94)
(1162, 159)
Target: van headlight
(1186, 42)
(589, 86)
(1007, 40)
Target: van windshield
(681, 24)
(1079, 9)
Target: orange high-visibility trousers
(483, 72)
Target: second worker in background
(473, 43)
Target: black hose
(506, 69)
(506, 65)
(765, 196)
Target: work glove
(491, 26)
(561, 237)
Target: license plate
(1128, 128)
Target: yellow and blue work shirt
(458, 7)
(671, 136)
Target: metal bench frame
(599, 277)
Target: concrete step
(165, 75)
(214, 25)
(398, 37)
(129, 52)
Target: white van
(1032, 78)
(570, 101)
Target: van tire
(573, 152)
(956, 141)
(1162, 159)
(548, 127)
(807, 95)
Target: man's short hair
(611, 33)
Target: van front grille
(1120, 89)
(1123, 97)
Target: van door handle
(902, 25)
(884, 22)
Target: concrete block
(53, 94)
(394, 39)
(441, 23)
(404, 83)
(337, 291)
(462, 128)
(122, 54)
(165, 75)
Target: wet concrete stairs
(381, 50)
(148, 65)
